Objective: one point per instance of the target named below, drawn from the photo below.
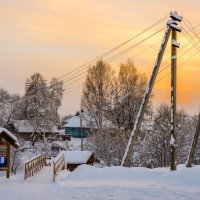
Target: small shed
(6, 139)
(75, 158)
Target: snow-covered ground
(116, 183)
(108, 183)
(75, 143)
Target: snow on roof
(74, 122)
(14, 141)
(87, 122)
(76, 157)
(23, 126)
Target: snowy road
(114, 183)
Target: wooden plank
(58, 165)
(3, 169)
(34, 165)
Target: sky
(55, 37)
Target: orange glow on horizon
(55, 37)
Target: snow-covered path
(109, 183)
(44, 176)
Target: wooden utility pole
(145, 101)
(171, 24)
(173, 104)
(173, 144)
(194, 144)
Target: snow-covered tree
(185, 129)
(109, 145)
(41, 102)
(155, 150)
(9, 107)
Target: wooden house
(73, 127)
(23, 129)
(85, 122)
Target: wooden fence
(34, 165)
(58, 165)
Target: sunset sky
(54, 37)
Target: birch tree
(97, 91)
(127, 92)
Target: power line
(126, 50)
(115, 48)
(179, 56)
(185, 21)
(115, 56)
(179, 66)
(165, 68)
(191, 40)
(133, 46)
(110, 51)
(75, 80)
(134, 56)
(162, 70)
(73, 89)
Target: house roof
(9, 137)
(87, 122)
(76, 157)
(74, 122)
(24, 126)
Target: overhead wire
(110, 59)
(187, 50)
(115, 48)
(116, 56)
(112, 50)
(192, 29)
(134, 56)
(181, 64)
(191, 40)
(165, 62)
(131, 47)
